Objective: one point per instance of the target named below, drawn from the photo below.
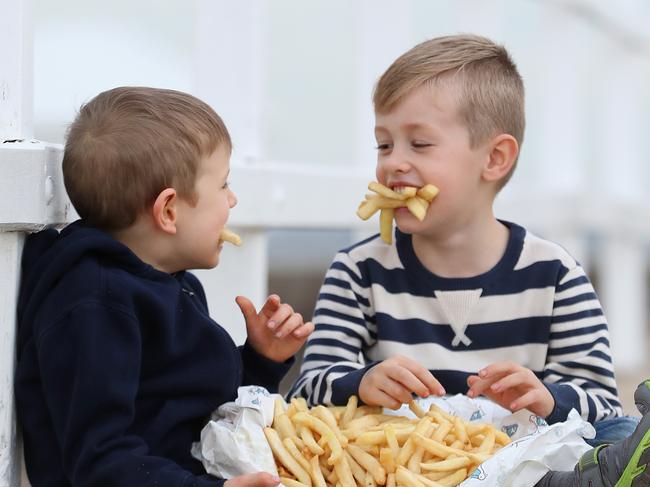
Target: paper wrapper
(233, 442)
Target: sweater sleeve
(333, 364)
(261, 371)
(579, 371)
(90, 365)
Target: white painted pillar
(561, 150)
(15, 123)
(623, 263)
(623, 128)
(230, 67)
(384, 32)
(16, 69)
(621, 176)
(11, 244)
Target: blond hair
(488, 87)
(128, 144)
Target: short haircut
(128, 144)
(489, 89)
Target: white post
(377, 48)
(15, 123)
(620, 176)
(560, 153)
(623, 263)
(16, 69)
(229, 75)
(11, 244)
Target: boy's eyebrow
(418, 125)
(408, 126)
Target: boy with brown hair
(460, 302)
(119, 363)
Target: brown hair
(489, 89)
(129, 143)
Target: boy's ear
(502, 156)
(165, 211)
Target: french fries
(386, 200)
(358, 446)
(230, 236)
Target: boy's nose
(397, 162)
(232, 199)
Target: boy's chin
(410, 225)
(209, 263)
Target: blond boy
(460, 302)
(119, 363)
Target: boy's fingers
(480, 386)
(386, 400)
(246, 306)
(304, 330)
(531, 397)
(288, 325)
(409, 381)
(270, 306)
(511, 380)
(281, 313)
(396, 390)
(472, 379)
(427, 378)
(498, 368)
(259, 479)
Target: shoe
(623, 464)
(642, 397)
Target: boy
(460, 302)
(119, 363)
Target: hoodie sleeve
(90, 365)
(261, 371)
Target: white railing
(302, 197)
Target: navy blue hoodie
(119, 365)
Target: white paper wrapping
(233, 442)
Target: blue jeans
(613, 430)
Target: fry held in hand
(230, 236)
(386, 201)
(359, 446)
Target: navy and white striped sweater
(536, 307)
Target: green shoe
(623, 464)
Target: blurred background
(293, 81)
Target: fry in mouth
(230, 236)
(417, 200)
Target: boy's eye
(226, 185)
(418, 144)
(384, 146)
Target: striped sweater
(536, 307)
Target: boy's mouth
(399, 187)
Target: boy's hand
(512, 386)
(392, 382)
(259, 479)
(276, 332)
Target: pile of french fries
(350, 446)
(385, 200)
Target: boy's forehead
(422, 106)
(218, 161)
